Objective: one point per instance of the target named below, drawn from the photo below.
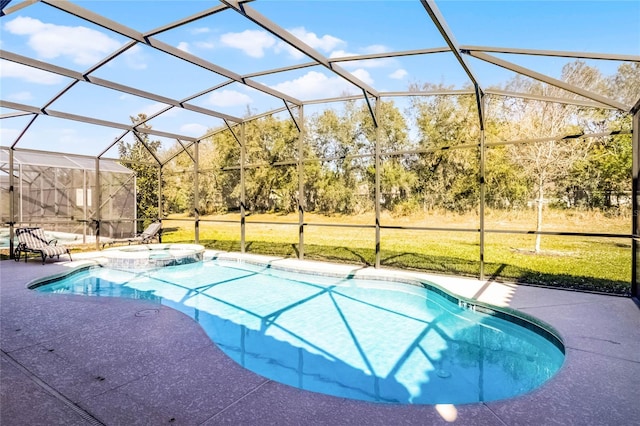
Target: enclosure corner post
(635, 195)
(12, 206)
(301, 197)
(160, 214)
(196, 191)
(242, 186)
(482, 178)
(98, 203)
(377, 165)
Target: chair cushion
(34, 239)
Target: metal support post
(160, 192)
(243, 153)
(98, 202)
(301, 197)
(482, 179)
(85, 206)
(635, 192)
(196, 191)
(377, 166)
(12, 205)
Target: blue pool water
(362, 339)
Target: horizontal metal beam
(453, 92)
(577, 102)
(9, 10)
(89, 120)
(189, 19)
(15, 114)
(387, 55)
(560, 53)
(44, 66)
(282, 69)
(560, 138)
(40, 151)
(456, 92)
(549, 80)
(350, 58)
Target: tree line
(429, 155)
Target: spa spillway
(151, 256)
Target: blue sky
(333, 28)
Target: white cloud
(204, 44)
(8, 136)
(32, 75)
(193, 129)
(316, 85)
(363, 75)
(326, 43)
(375, 48)
(184, 46)
(135, 58)
(293, 52)
(151, 109)
(20, 96)
(84, 46)
(369, 63)
(70, 136)
(398, 74)
(200, 30)
(224, 98)
(251, 42)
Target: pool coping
(601, 335)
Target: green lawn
(594, 264)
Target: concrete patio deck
(75, 360)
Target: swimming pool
(362, 339)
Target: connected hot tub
(151, 256)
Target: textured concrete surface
(68, 360)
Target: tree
(396, 179)
(603, 178)
(507, 185)
(137, 155)
(547, 163)
(338, 182)
(268, 186)
(177, 174)
(446, 177)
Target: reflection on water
(98, 284)
(367, 340)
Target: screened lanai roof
(74, 72)
(43, 159)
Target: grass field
(586, 263)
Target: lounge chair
(33, 240)
(151, 233)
